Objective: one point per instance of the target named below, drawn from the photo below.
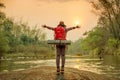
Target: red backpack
(59, 33)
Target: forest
(19, 39)
(105, 37)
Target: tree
(109, 16)
(2, 15)
(4, 47)
(2, 5)
(19, 37)
(96, 39)
(3, 41)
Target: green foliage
(109, 13)
(2, 16)
(113, 46)
(3, 44)
(112, 42)
(96, 38)
(8, 25)
(4, 47)
(106, 36)
(26, 40)
(20, 34)
(21, 38)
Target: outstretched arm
(44, 26)
(71, 28)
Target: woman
(60, 49)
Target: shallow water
(109, 66)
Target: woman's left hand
(77, 26)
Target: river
(109, 66)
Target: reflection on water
(60, 77)
(110, 66)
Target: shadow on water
(60, 77)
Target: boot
(62, 70)
(58, 71)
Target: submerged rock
(49, 73)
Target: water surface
(109, 66)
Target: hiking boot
(58, 71)
(62, 71)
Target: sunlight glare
(77, 22)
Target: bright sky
(50, 12)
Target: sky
(50, 12)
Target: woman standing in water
(60, 49)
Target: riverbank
(49, 73)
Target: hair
(61, 23)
